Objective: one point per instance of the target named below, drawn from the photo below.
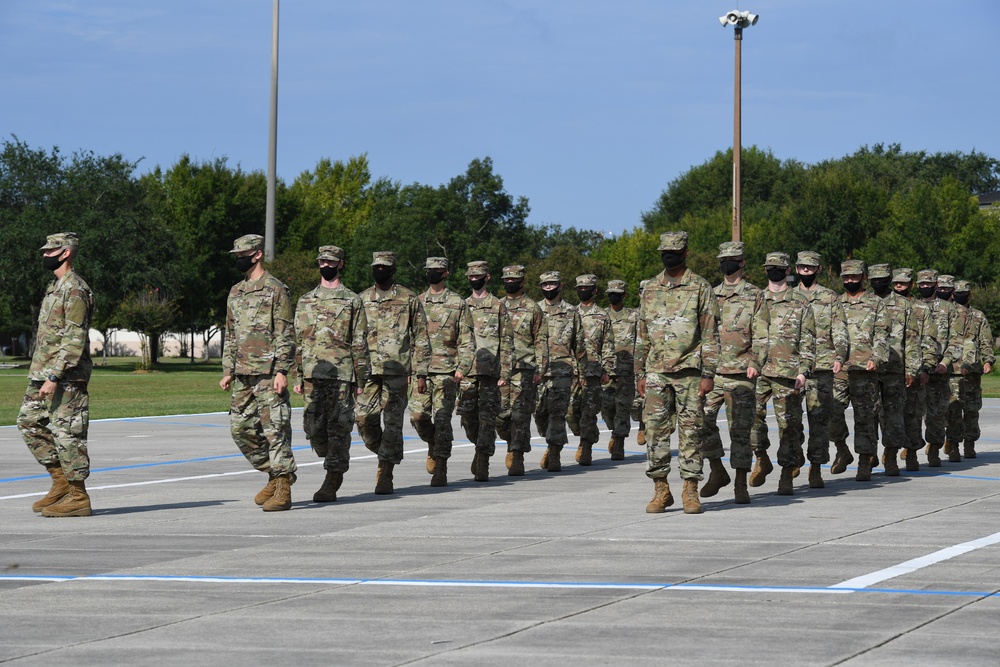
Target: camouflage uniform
(331, 360)
(598, 341)
(260, 343)
(677, 344)
(55, 429)
(479, 404)
(639, 402)
(739, 350)
(397, 345)
(452, 341)
(976, 351)
(957, 382)
(950, 341)
(620, 393)
(531, 356)
(916, 393)
(787, 327)
(831, 347)
(868, 321)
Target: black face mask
(585, 293)
(926, 292)
(329, 272)
(852, 286)
(776, 274)
(905, 291)
(615, 298)
(672, 259)
(807, 280)
(962, 298)
(550, 293)
(729, 266)
(52, 263)
(881, 286)
(245, 263)
(512, 286)
(383, 275)
(477, 283)
(435, 276)
(944, 294)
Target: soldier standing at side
(620, 393)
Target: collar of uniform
(59, 282)
(682, 279)
(738, 288)
(783, 295)
(253, 285)
(437, 298)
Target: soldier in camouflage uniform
(868, 323)
(949, 337)
(676, 353)
(594, 372)
(530, 362)
(479, 401)
(831, 351)
(398, 346)
(957, 380)
(55, 413)
(566, 353)
(259, 351)
(619, 394)
(333, 364)
(453, 345)
(639, 402)
(786, 327)
(736, 375)
(977, 358)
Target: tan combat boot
(516, 467)
(640, 436)
(762, 467)
(953, 452)
(800, 460)
(970, 449)
(933, 458)
(60, 487)
(816, 477)
(585, 453)
(74, 503)
(785, 487)
(662, 499)
(550, 460)
(429, 464)
(689, 497)
(328, 492)
(383, 478)
(740, 491)
(282, 498)
(864, 468)
(509, 460)
(717, 479)
(902, 454)
(912, 464)
(440, 477)
(617, 449)
(842, 459)
(264, 494)
(481, 467)
(891, 462)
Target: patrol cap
(330, 252)
(617, 286)
(903, 275)
(61, 240)
(586, 280)
(808, 258)
(550, 277)
(248, 242)
(673, 240)
(963, 286)
(440, 263)
(852, 267)
(477, 268)
(513, 271)
(730, 249)
(384, 258)
(927, 276)
(945, 281)
(776, 259)
(879, 271)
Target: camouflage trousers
(819, 408)
(638, 403)
(585, 405)
(260, 420)
(518, 398)
(431, 413)
(936, 413)
(916, 405)
(787, 403)
(892, 416)
(617, 401)
(965, 402)
(478, 406)
(328, 420)
(860, 389)
(55, 429)
(673, 398)
(737, 392)
(551, 409)
(383, 398)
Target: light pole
(738, 20)
(272, 143)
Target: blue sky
(588, 108)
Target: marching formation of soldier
(902, 362)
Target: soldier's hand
(48, 389)
(537, 379)
(837, 366)
(987, 368)
(421, 385)
(298, 388)
(909, 381)
(940, 369)
(924, 379)
(280, 383)
(752, 373)
(706, 386)
(870, 365)
(640, 387)
(226, 382)
(800, 381)
(605, 379)
(501, 382)
(459, 376)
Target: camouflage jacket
(831, 331)
(927, 332)
(331, 337)
(449, 328)
(978, 348)
(598, 339)
(905, 354)
(868, 322)
(531, 346)
(950, 336)
(397, 331)
(786, 325)
(624, 323)
(961, 324)
(739, 306)
(494, 337)
(678, 326)
(62, 341)
(260, 335)
(565, 339)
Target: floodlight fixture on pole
(738, 20)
